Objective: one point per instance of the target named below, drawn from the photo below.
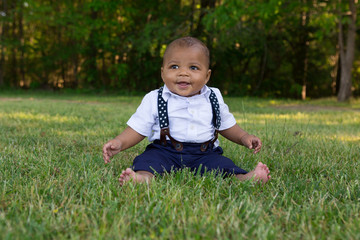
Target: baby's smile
(183, 84)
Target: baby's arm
(240, 136)
(128, 138)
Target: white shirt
(190, 118)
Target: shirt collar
(205, 91)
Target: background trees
(298, 49)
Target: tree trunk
(91, 55)
(205, 4)
(22, 46)
(304, 82)
(3, 32)
(75, 80)
(192, 17)
(305, 23)
(14, 78)
(262, 67)
(347, 54)
(301, 49)
(305, 19)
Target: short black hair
(189, 42)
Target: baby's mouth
(183, 84)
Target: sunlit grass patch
(41, 117)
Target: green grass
(54, 183)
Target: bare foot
(136, 177)
(259, 174)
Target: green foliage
(54, 183)
(261, 48)
(270, 42)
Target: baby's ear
(208, 74)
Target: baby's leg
(259, 174)
(136, 177)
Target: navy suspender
(215, 109)
(164, 121)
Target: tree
(3, 32)
(347, 52)
(268, 48)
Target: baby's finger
(106, 158)
(257, 147)
(106, 152)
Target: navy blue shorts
(160, 159)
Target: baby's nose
(183, 72)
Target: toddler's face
(185, 70)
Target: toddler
(182, 119)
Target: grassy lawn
(54, 183)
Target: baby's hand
(251, 142)
(110, 149)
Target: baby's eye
(174, 66)
(194, 68)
